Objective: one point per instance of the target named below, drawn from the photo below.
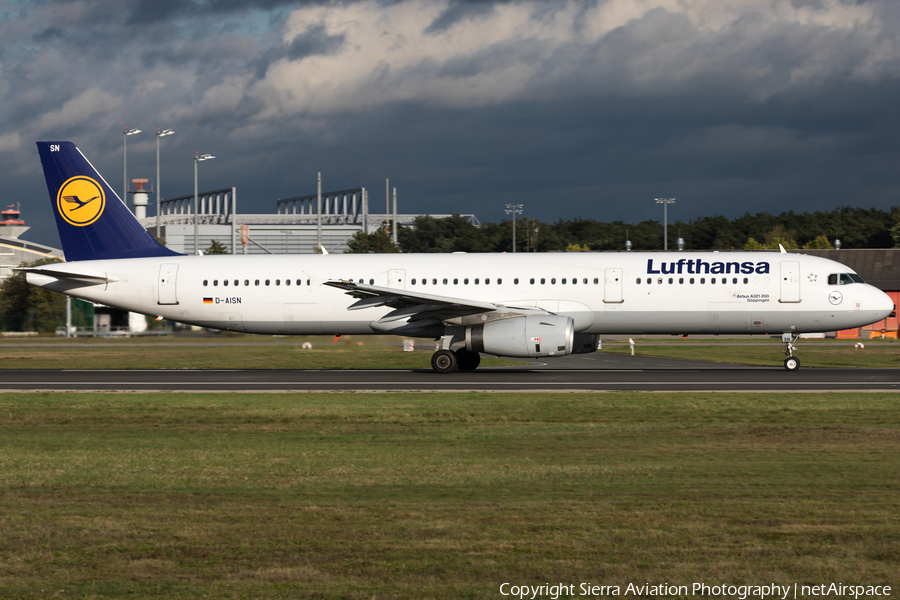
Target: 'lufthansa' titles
(698, 266)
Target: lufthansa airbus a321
(512, 305)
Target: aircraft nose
(883, 304)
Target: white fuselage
(676, 293)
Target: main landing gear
(791, 363)
(447, 361)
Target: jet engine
(528, 336)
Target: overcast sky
(574, 109)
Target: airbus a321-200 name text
(511, 305)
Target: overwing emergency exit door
(612, 286)
(397, 278)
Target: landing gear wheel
(791, 363)
(443, 361)
(467, 360)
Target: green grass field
(441, 495)
(225, 352)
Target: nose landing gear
(791, 363)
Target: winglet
(92, 220)
(783, 251)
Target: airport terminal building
(293, 227)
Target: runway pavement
(595, 372)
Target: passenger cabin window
(267, 282)
(256, 282)
(516, 281)
(224, 282)
(246, 282)
(499, 281)
(205, 282)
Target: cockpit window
(844, 279)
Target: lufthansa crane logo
(80, 201)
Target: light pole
(197, 159)
(514, 210)
(125, 160)
(665, 202)
(159, 133)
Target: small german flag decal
(207, 301)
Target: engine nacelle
(523, 337)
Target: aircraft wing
(415, 305)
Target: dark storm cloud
(458, 10)
(574, 109)
(150, 11)
(315, 41)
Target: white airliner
(512, 305)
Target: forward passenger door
(790, 281)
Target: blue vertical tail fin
(92, 220)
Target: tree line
(854, 227)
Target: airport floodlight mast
(665, 202)
(319, 212)
(125, 160)
(159, 133)
(514, 210)
(198, 158)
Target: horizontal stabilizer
(68, 271)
